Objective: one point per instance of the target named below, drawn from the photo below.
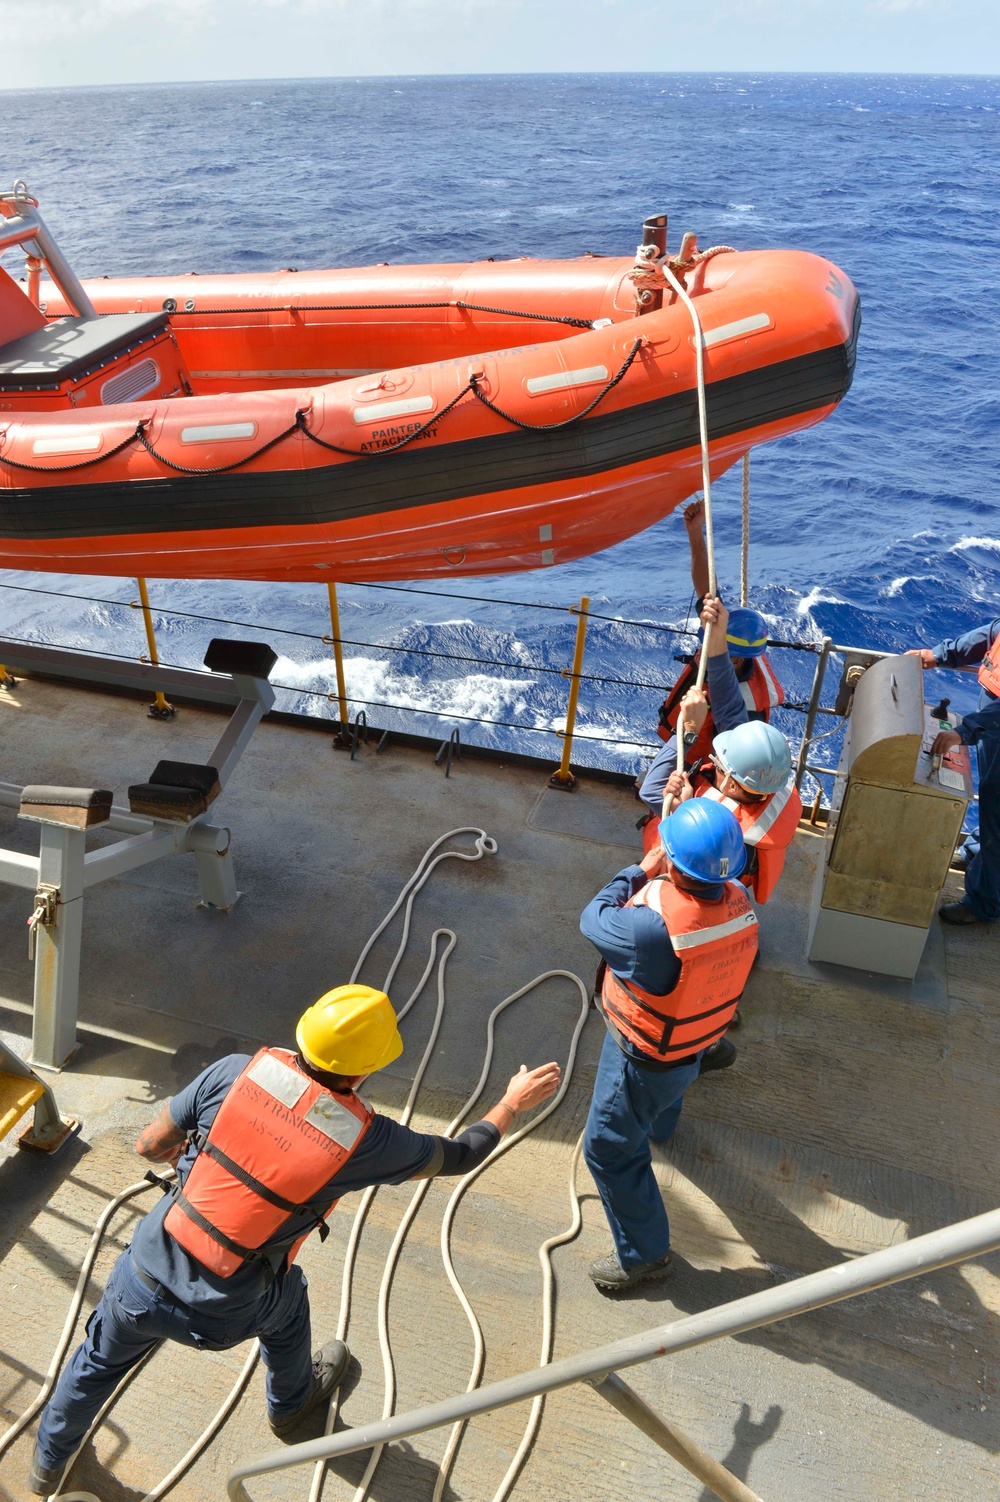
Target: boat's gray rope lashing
(52, 469)
(391, 448)
(300, 426)
(552, 427)
(385, 307)
(218, 469)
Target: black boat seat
(70, 349)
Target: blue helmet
(704, 840)
(746, 634)
(755, 755)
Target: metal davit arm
(25, 226)
(955, 1243)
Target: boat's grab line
(385, 307)
(551, 427)
(300, 426)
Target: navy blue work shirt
(387, 1154)
(634, 941)
(965, 652)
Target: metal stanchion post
(562, 777)
(342, 738)
(161, 708)
(817, 689)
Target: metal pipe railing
(27, 227)
(893, 1264)
(561, 777)
(812, 709)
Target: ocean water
(881, 527)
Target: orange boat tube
(394, 422)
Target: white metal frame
(64, 863)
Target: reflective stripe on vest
(277, 1140)
(757, 820)
(989, 669)
(767, 827)
(715, 943)
(761, 691)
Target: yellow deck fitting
(17, 1096)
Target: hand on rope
(715, 620)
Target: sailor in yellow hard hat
(264, 1146)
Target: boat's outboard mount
(895, 815)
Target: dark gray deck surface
(859, 1113)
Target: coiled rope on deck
(433, 856)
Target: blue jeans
(131, 1318)
(982, 847)
(630, 1108)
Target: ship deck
(860, 1112)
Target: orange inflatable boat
(390, 422)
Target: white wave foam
(982, 544)
(817, 597)
(370, 679)
(896, 587)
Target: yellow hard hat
(350, 1030)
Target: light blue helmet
(704, 840)
(755, 755)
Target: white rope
(73, 1313)
(484, 845)
(706, 485)
(745, 549)
(548, 1323)
(548, 1279)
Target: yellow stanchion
(562, 777)
(161, 708)
(333, 640)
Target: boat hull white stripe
(563, 379)
(404, 408)
(751, 325)
(213, 433)
(68, 443)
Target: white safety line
(484, 845)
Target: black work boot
(44, 1479)
(958, 912)
(608, 1273)
(330, 1365)
(721, 1055)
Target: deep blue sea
(881, 527)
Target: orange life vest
(761, 692)
(768, 827)
(715, 943)
(989, 669)
(277, 1140)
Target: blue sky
(59, 42)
